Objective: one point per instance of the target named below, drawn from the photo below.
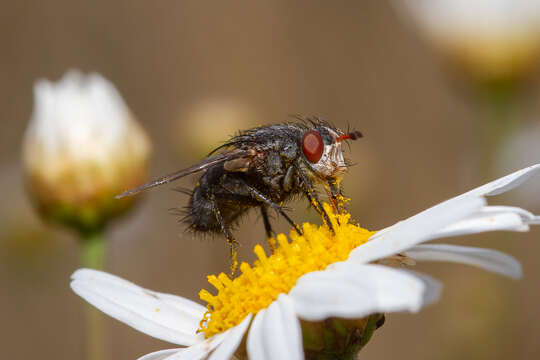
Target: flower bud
(82, 147)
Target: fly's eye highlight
(312, 146)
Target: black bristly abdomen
(209, 194)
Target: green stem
(93, 256)
(93, 250)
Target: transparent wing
(200, 166)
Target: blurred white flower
(81, 147)
(490, 39)
(353, 288)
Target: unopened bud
(82, 146)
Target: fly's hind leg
(270, 236)
(233, 244)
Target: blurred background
(195, 72)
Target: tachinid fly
(263, 167)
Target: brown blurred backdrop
(236, 64)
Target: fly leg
(269, 232)
(335, 195)
(313, 198)
(233, 244)
(256, 194)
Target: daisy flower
(266, 312)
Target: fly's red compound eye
(312, 146)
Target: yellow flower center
(259, 285)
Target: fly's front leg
(335, 195)
(268, 228)
(233, 244)
(312, 196)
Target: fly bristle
(349, 163)
(185, 213)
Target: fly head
(321, 147)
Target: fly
(262, 168)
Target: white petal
(352, 290)
(486, 259)
(192, 308)
(163, 316)
(506, 183)
(275, 333)
(281, 319)
(160, 355)
(451, 218)
(227, 342)
(231, 342)
(416, 229)
(202, 349)
(432, 290)
(255, 340)
(525, 215)
(490, 218)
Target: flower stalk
(94, 335)
(93, 248)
